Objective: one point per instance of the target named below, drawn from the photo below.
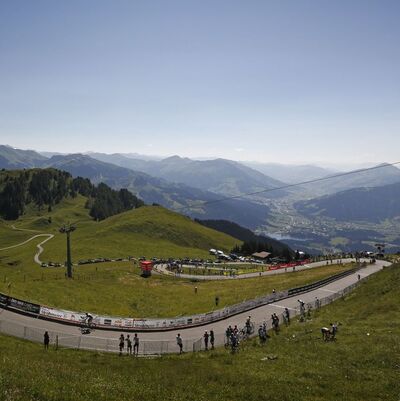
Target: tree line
(45, 188)
(251, 242)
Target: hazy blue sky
(249, 80)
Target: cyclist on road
(88, 319)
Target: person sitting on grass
(325, 333)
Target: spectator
(128, 345)
(180, 343)
(333, 331)
(206, 335)
(317, 303)
(287, 316)
(212, 339)
(302, 309)
(136, 345)
(228, 333)
(248, 325)
(275, 322)
(325, 333)
(46, 340)
(262, 334)
(121, 343)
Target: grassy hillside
(149, 231)
(363, 364)
(9, 237)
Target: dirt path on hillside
(39, 246)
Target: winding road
(38, 246)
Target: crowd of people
(128, 340)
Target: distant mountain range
(11, 158)
(384, 175)
(180, 197)
(290, 174)
(225, 177)
(368, 204)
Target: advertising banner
(23, 305)
(4, 299)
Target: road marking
(283, 307)
(324, 289)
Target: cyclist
(89, 319)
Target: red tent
(146, 267)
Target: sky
(271, 81)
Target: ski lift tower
(68, 229)
(380, 250)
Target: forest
(45, 188)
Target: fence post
(56, 342)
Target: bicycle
(87, 325)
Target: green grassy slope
(148, 231)
(356, 367)
(9, 237)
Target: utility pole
(68, 229)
